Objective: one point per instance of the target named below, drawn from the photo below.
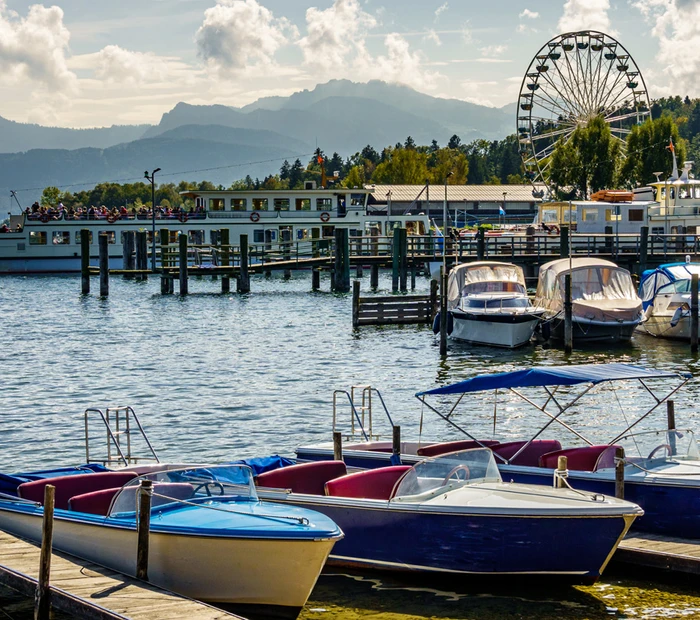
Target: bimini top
(540, 376)
(653, 279)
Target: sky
(94, 63)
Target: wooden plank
(653, 550)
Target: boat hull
(509, 330)
(660, 327)
(583, 331)
(254, 573)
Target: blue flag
(501, 211)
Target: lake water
(219, 377)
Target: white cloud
(493, 50)
(440, 10)
(676, 25)
(236, 34)
(585, 15)
(34, 48)
(527, 13)
(431, 35)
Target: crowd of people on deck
(42, 212)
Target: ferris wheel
(573, 78)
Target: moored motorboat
(454, 514)
(211, 538)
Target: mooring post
(396, 441)
(609, 241)
(643, 249)
(374, 277)
(356, 303)
(104, 264)
(128, 243)
(433, 299)
(413, 277)
(244, 274)
(85, 261)
(395, 259)
(562, 464)
(287, 252)
(443, 315)
(315, 237)
(144, 525)
(568, 316)
(480, 243)
(564, 242)
(694, 313)
(671, 419)
(315, 278)
(403, 262)
(42, 598)
(142, 254)
(342, 260)
(182, 258)
(337, 446)
(225, 262)
(620, 473)
(165, 282)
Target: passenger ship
(42, 244)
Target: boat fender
(680, 313)
(44, 217)
(254, 216)
(436, 324)
(182, 216)
(111, 218)
(325, 216)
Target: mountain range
(221, 143)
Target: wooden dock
(88, 590)
(656, 551)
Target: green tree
(356, 177)
(406, 166)
(50, 196)
(444, 161)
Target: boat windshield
(680, 445)
(508, 302)
(679, 286)
(492, 286)
(194, 484)
(449, 470)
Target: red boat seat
(435, 449)
(68, 486)
(308, 478)
(99, 502)
(372, 484)
(587, 458)
(530, 456)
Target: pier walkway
(86, 590)
(656, 551)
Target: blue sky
(86, 63)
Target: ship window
(77, 236)
(259, 204)
(303, 204)
(61, 237)
(324, 204)
(239, 204)
(216, 204)
(195, 237)
(636, 215)
(611, 216)
(590, 214)
(111, 237)
(357, 200)
(281, 204)
(37, 238)
(259, 236)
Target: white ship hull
(503, 330)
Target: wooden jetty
(87, 590)
(393, 309)
(657, 551)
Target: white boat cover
(483, 277)
(600, 290)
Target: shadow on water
(639, 594)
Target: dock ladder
(124, 435)
(360, 400)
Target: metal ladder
(120, 424)
(361, 413)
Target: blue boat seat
(372, 484)
(586, 458)
(435, 449)
(530, 456)
(308, 478)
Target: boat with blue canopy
(662, 463)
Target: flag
(319, 159)
(670, 146)
(501, 211)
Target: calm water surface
(216, 377)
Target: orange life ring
(325, 216)
(182, 216)
(44, 217)
(254, 216)
(111, 218)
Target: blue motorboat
(662, 464)
(211, 538)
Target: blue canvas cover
(261, 464)
(553, 375)
(653, 279)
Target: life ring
(254, 216)
(182, 216)
(325, 216)
(111, 218)
(44, 217)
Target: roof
(540, 376)
(562, 264)
(455, 193)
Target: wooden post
(184, 288)
(443, 315)
(225, 262)
(480, 243)
(244, 277)
(315, 237)
(164, 238)
(144, 525)
(287, 252)
(104, 265)
(568, 316)
(620, 473)
(42, 599)
(356, 303)
(413, 277)
(142, 253)
(403, 259)
(342, 260)
(562, 464)
(609, 240)
(374, 277)
(564, 242)
(643, 249)
(128, 243)
(315, 278)
(396, 440)
(694, 313)
(395, 259)
(337, 446)
(85, 261)
(433, 298)
(671, 418)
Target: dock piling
(480, 243)
(225, 253)
(337, 446)
(643, 249)
(403, 261)
(128, 243)
(562, 464)
(287, 252)
(342, 260)
(568, 316)
(433, 299)
(396, 441)
(85, 261)
(142, 254)
(144, 525)
(104, 265)
(42, 599)
(315, 279)
(620, 473)
(356, 304)
(244, 275)
(182, 259)
(395, 259)
(694, 313)
(443, 315)
(374, 277)
(564, 242)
